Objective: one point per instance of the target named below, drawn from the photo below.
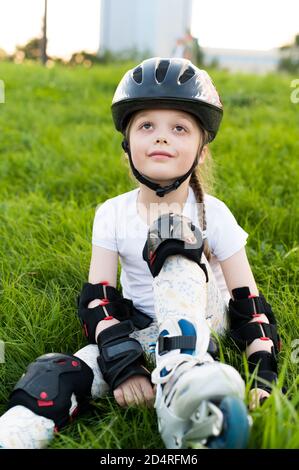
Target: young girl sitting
(184, 274)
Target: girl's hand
(136, 390)
(255, 396)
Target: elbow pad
(244, 308)
(113, 304)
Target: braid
(199, 195)
(197, 183)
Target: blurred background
(253, 36)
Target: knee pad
(172, 234)
(56, 386)
(120, 357)
(241, 310)
(113, 305)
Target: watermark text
(2, 92)
(295, 93)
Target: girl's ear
(203, 155)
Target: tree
(31, 50)
(289, 60)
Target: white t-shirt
(118, 227)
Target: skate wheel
(235, 431)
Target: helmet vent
(188, 73)
(162, 70)
(137, 75)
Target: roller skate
(200, 405)
(199, 401)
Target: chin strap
(159, 190)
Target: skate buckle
(169, 343)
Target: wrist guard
(120, 357)
(242, 309)
(266, 370)
(113, 304)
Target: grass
(60, 157)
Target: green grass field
(60, 157)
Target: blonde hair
(202, 180)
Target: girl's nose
(161, 139)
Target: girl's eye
(146, 124)
(179, 128)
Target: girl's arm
(103, 266)
(237, 272)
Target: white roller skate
(199, 401)
(201, 405)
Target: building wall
(150, 26)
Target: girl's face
(164, 130)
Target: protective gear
(168, 83)
(189, 406)
(171, 83)
(241, 310)
(112, 305)
(120, 357)
(159, 190)
(172, 234)
(266, 370)
(191, 386)
(56, 386)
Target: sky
(74, 25)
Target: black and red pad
(172, 234)
(48, 384)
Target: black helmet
(168, 83)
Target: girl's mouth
(160, 157)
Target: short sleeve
(104, 226)
(226, 236)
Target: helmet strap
(159, 190)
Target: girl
(168, 111)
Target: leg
(37, 408)
(191, 386)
